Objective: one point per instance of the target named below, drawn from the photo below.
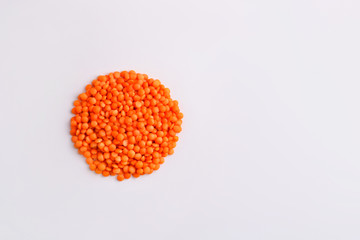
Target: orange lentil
(101, 166)
(146, 170)
(120, 177)
(131, 169)
(125, 123)
(139, 164)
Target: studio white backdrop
(270, 140)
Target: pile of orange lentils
(125, 124)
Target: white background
(271, 134)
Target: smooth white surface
(270, 141)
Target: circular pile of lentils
(125, 124)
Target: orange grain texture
(125, 124)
